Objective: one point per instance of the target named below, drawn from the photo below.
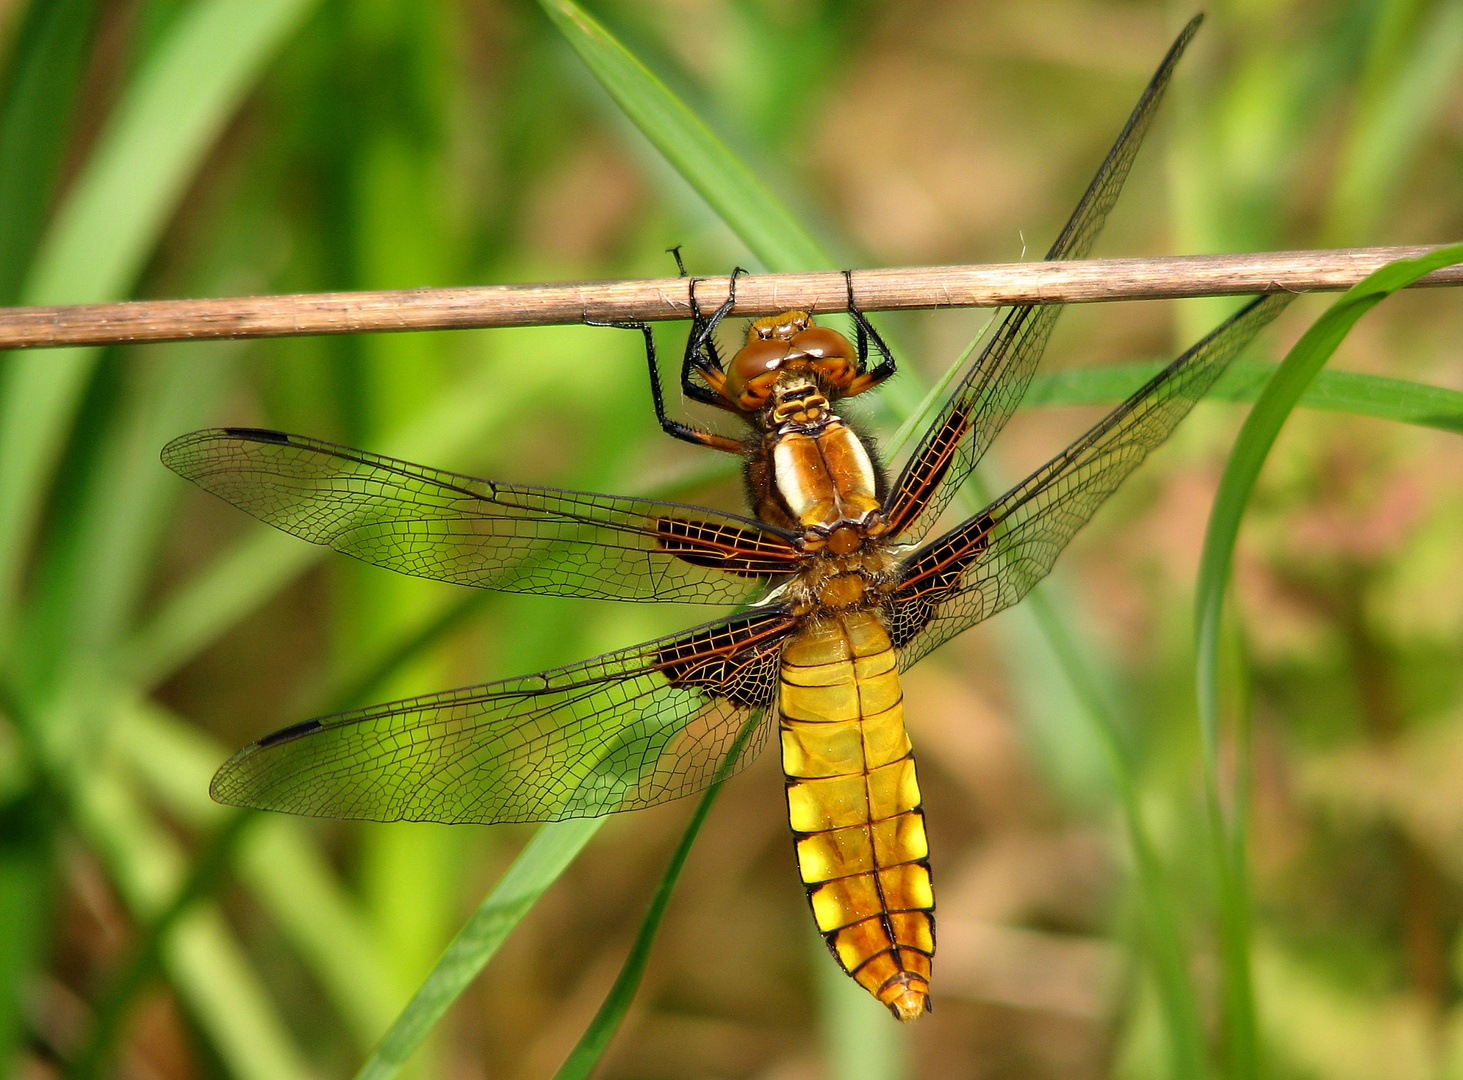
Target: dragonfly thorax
(811, 472)
(835, 582)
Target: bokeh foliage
(207, 147)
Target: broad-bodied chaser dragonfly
(850, 597)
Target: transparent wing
(996, 381)
(992, 560)
(450, 527)
(625, 730)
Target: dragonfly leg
(866, 379)
(674, 428)
(701, 356)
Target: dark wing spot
(255, 434)
(289, 734)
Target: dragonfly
(838, 578)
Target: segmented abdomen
(854, 804)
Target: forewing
(988, 394)
(622, 731)
(992, 560)
(442, 525)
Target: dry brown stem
(1075, 282)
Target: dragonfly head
(786, 343)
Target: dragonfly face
(783, 345)
(848, 594)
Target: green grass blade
(922, 414)
(1335, 391)
(1397, 109)
(145, 957)
(1281, 394)
(276, 859)
(167, 122)
(212, 973)
(109, 224)
(596, 1038)
(856, 1039)
(90, 579)
(257, 567)
(733, 191)
(44, 70)
(1161, 931)
(25, 921)
(737, 195)
(1251, 448)
(302, 891)
(205, 964)
(538, 866)
(362, 677)
(208, 604)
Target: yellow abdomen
(854, 804)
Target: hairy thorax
(811, 473)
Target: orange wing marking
(727, 658)
(726, 547)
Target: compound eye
(821, 342)
(754, 362)
(829, 354)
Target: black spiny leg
(707, 365)
(866, 333)
(701, 356)
(675, 428)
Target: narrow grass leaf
(857, 1040)
(259, 565)
(283, 877)
(25, 924)
(145, 955)
(914, 423)
(206, 966)
(737, 195)
(109, 224)
(276, 859)
(1281, 394)
(166, 123)
(538, 866)
(1397, 109)
(46, 63)
(733, 191)
(96, 570)
(1247, 457)
(596, 1038)
(282, 864)
(1335, 391)
(1161, 930)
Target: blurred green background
(216, 147)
